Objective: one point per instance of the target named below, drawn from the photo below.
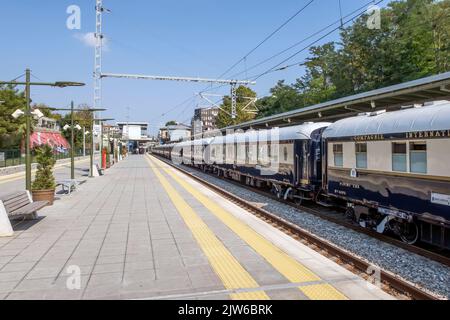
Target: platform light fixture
(28, 114)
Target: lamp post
(72, 127)
(28, 114)
(84, 141)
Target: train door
(301, 161)
(297, 161)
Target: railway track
(335, 217)
(391, 283)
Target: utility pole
(98, 55)
(233, 101)
(99, 9)
(72, 143)
(84, 141)
(91, 156)
(28, 130)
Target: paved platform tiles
(144, 231)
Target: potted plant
(43, 187)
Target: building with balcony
(204, 120)
(174, 133)
(135, 134)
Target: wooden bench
(20, 205)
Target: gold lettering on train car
(372, 137)
(428, 134)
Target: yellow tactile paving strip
(282, 262)
(226, 266)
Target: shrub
(44, 176)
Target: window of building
(418, 157)
(338, 155)
(285, 154)
(399, 160)
(361, 155)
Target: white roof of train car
(426, 118)
(297, 132)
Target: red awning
(53, 139)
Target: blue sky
(163, 37)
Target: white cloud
(88, 39)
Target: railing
(9, 158)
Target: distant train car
(164, 150)
(287, 159)
(200, 156)
(186, 148)
(393, 170)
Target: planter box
(44, 195)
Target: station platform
(145, 231)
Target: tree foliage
(11, 130)
(171, 123)
(413, 42)
(224, 118)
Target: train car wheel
(350, 214)
(408, 232)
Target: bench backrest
(15, 201)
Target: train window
(399, 157)
(418, 157)
(338, 151)
(285, 154)
(361, 155)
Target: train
(389, 171)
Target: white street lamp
(37, 113)
(18, 113)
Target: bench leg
(32, 216)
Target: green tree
(224, 118)
(283, 98)
(171, 123)
(11, 130)
(413, 42)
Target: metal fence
(14, 157)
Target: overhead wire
(274, 68)
(300, 42)
(268, 37)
